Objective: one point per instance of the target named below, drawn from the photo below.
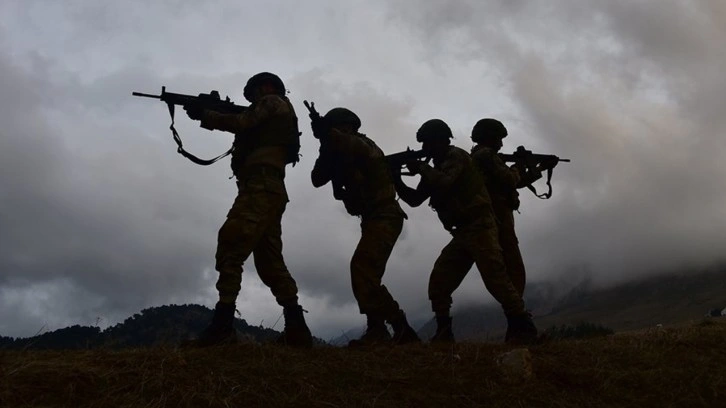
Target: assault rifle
(320, 129)
(210, 101)
(397, 160)
(317, 123)
(534, 163)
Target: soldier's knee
(364, 261)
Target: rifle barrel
(146, 95)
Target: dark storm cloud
(100, 217)
(632, 92)
(103, 223)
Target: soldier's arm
(267, 107)
(412, 197)
(495, 169)
(323, 170)
(451, 169)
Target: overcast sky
(100, 217)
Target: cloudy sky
(100, 217)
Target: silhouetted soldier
(266, 140)
(502, 183)
(358, 171)
(457, 194)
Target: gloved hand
(195, 112)
(414, 166)
(320, 128)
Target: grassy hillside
(664, 299)
(658, 367)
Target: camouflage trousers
(510, 247)
(378, 235)
(468, 247)
(253, 226)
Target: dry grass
(678, 367)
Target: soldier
(457, 194)
(502, 183)
(266, 140)
(358, 171)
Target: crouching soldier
(357, 170)
(457, 193)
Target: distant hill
(664, 299)
(163, 325)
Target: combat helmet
(342, 116)
(260, 78)
(487, 128)
(433, 129)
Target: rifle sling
(180, 149)
(548, 194)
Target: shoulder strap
(548, 194)
(180, 147)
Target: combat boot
(444, 332)
(296, 333)
(403, 333)
(376, 333)
(221, 330)
(520, 330)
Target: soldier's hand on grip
(195, 112)
(414, 166)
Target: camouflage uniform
(253, 225)
(501, 182)
(365, 186)
(463, 206)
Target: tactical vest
(367, 182)
(501, 195)
(279, 131)
(466, 200)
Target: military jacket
(501, 180)
(266, 133)
(357, 168)
(457, 190)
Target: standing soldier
(357, 169)
(457, 194)
(266, 140)
(502, 183)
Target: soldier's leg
(483, 246)
(490, 262)
(449, 271)
(510, 248)
(273, 272)
(378, 236)
(368, 265)
(270, 263)
(246, 223)
(237, 237)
